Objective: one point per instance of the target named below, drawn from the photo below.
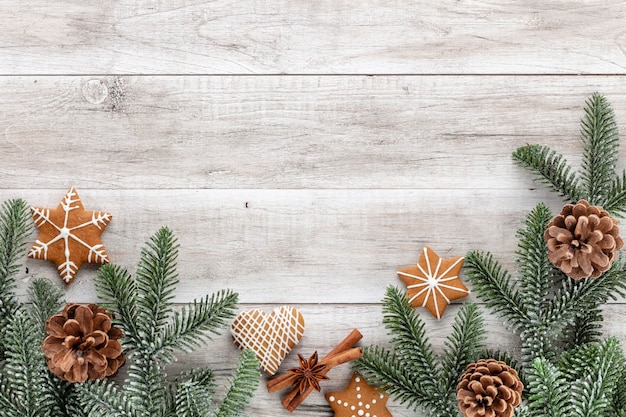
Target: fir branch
(576, 298)
(391, 372)
(547, 392)
(551, 168)
(146, 386)
(15, 226)
(461, 346)
(191, 391)
(117, 290)
(615, 199)
(494, 287)
(411, 374)
(409, 336)
(103, 399)
(156, 281)
(536, 270)
(244, 384)
(594, 371)
(586, 328)
(25, 367)
(191, 400)
(47, 300)
(193, 324)
(601, 141)
(143, 309)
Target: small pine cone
(583, 240)
(489, 388)
(82, 344)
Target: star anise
(309, 374)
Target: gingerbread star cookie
(69, 235)
(359, 399)
(433, 282)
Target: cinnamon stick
(281, 382)
(350, 340)
(295, 397)
(341, 353)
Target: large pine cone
(583, 240)
(489, 388)
(82, 344)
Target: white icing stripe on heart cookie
(270, 335)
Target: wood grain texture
(313, 37)
(302, 151)
(229, 132)
(296, 246)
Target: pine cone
(583, 240)
(489, 388)
(82, 344)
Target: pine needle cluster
(154, 331)
(27, 388)
(567, 367)
(143, 309)
(412, 373)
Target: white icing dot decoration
(359, 399)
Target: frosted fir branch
(409, 335)
(536, 270)
(242, 387)
(25, 366)
(546, 390)
(47, 300)
(194, 324)
(601, 141)
(117, 290)
(494, 286)
(103, 399)
(462, 345)
(551, 168)
(384, 369)
(615, 200)
(156, 279)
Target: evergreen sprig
(412, 373)
(15, 227)
(27, 388)
(153, 331)
(556, 312)
(597, 181)
(584, 382)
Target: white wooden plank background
(302, 151)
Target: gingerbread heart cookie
(270, 335)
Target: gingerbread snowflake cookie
(359, 399)
(69, 235)
(433, 282)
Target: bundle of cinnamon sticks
(342, 353)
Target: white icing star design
(69, 235)
(433, 282)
